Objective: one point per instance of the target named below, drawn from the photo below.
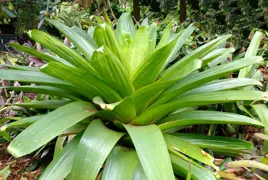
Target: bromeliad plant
(124, 101)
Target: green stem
(247, 163)
(212, 129)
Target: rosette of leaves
(123, 102)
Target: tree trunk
(111, 9)
(182, 10)
(136, 10)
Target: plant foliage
(123, 99)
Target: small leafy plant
(124, 98)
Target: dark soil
(22, 168)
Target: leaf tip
(29, 33)
(15, 152)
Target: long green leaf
(199, 53)
(146, 95)
(180, 42)
(182, 167)
(143, 97)
(190, 82)
(189, 149)
(45, 90)
(216, 142)
(112, 71)
(185, 69)
(38, 54)
(152, 37)
(104, 35)
(187, 118)
(46, 104)
(61, 166)
(5, 172)
(126, 110)
(139, 173)
(20, 67)
(21, 123)
(251, 51)
(139, 49)
(225, 84)
(59, 48)
(50, 126)
(216, 54)
(149, 70)
(125, 42)
(152, 151)
(222, 59)
(93, 86)
(165, 37)
(39, 78)
(78, 37)
(121, 164)
(262, 112)
(156, 113)
(125, 24)
(31, 76)
(59, 145)
(93, 149)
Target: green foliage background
(238, 17)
